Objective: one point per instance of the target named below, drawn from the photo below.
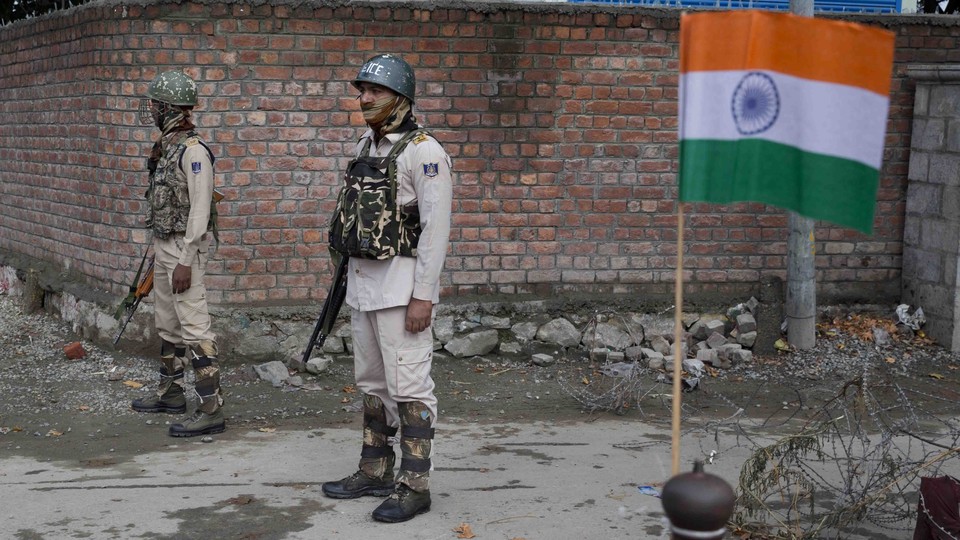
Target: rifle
(139, 289)
(331, 307)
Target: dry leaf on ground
(464, 531)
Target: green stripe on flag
(813, 185)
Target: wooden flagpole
(677, 339)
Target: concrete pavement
(574, 480)
(504, 481)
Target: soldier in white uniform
(182, 219)
(393, 221)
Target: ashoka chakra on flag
(755, 104)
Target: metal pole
(804, 8)
(801, 301)
(801, 305)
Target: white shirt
(424, 176)
(195, 165)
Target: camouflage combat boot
(208, 419)
(170, 397)
(412, 495)
(375, 476)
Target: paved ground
(516, 480)
(517, 456)
(530, 480)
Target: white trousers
(182, 319)
(390, 362)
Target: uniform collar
(392, 137)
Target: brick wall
(561, 121)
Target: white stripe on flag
(824, 118)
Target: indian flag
(784, 110)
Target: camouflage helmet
(390, 71)
(175, 88)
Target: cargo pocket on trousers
(192, 303)
(413, 369)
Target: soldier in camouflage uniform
(393, 221)
(182, 219)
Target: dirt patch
(60, 409)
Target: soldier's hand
(419, 313)
(181, 279)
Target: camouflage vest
(168, 195)
(368, 223)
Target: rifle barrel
(331, 306)
(133, 310)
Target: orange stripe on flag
(817, 49)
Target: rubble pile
(720, 340)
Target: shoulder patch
(420, 138)
(191, 141)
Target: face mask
(377, 112)
(390, 115)
(166, 117)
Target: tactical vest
(368, 222)
(168, 194)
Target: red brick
(74, 351)
(588, 160)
